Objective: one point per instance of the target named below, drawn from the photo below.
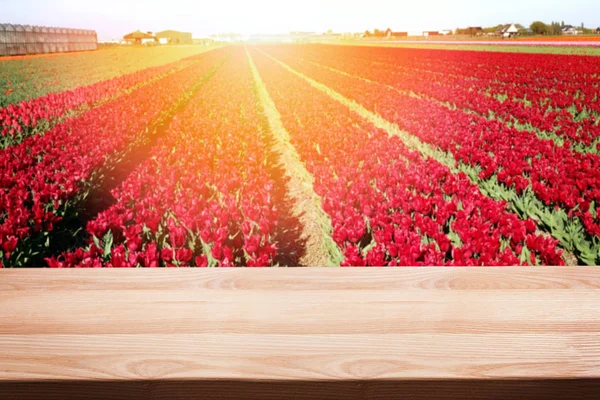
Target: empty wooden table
(300, 333)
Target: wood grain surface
(300, 333)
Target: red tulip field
(301, 155)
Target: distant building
(570, 30)
(139, 37)
(431, 33)
(174, 37)
(507, 30)
(445, 32)
(26, 39)
(391, 34)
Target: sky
(114, 18)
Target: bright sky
(114, 18)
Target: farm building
(570, 30)
(26, 39)
(507, 30)
(174, 37)
(431, 33)
(391, 34)
(139, 37)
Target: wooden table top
(313, 333)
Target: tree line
(554, 28)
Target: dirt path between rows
(315, 225)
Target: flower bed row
(520, 160)
(570, 80)
(388, 205)
(27, 78)
(27, 118)
(44, 178)
(567, 108)
(203, 197)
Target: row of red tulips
(30, 77)
(570, 111)
(555, 81)
(520, 160)
(203, 197)
(18, 121)
(388, 205)
(44, 178)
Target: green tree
(539, 28)
(555, 28)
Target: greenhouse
(18, 40)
